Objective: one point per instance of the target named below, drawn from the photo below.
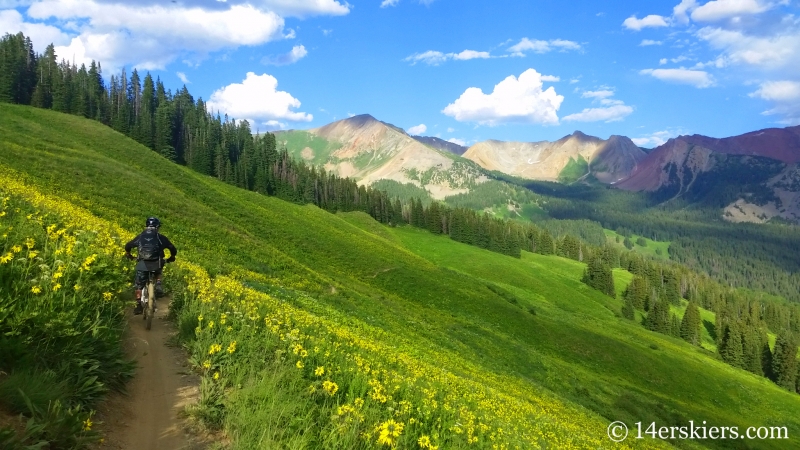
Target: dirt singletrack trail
(148, 416)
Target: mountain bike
(149, 299)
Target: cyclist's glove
(129, 256)
(171, 259)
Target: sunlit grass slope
(656, 249)
(519, 349)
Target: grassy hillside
(297, 141)
(332, 330)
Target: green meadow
(655, 249)
(460, 346)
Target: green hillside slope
(332, 329)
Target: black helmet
(152, 222)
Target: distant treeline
(754, 256)
(182, 130)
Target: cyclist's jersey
(151, 266)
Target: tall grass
(301, 380)
(61, 316)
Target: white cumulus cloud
(611, 109)
(471, 54)
(434, 58)
(725, 9)
(781, 91)
(696, 78)
(785, 96)
(520, 100)
(12, 22)
(150, 34)
(778, 50)
(417, 129)
(387, 3)
(649, 42)
(551, 78)
(653, 20)
(257, 100)
(599, 94)
(654, 139)
(680, 13)
(526, 45)
(297, 53)
(609, 114)
(458, 141)
(150, 38)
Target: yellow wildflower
(330, 387)
(216, 375)
(424, 441)
(206, 364)
(29, 243)
(232, 347)
(16, 248)
(389, 431)
(106, 295)
(87, 424)
(56, 287)
(300, 364)
(78, 287)
(319, 371)
(214, 348)
(5, 258)
(36, 289)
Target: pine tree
(690, 325)
(545, 245)
(784, 361)
(798, 377)
(658, 318)
(46, 69)
(628, 311)
(599, 276)
(675, 326)
(751, 348)
(731, 350)
(766, 358)
(637, 291)
(627, 243)
(17, 69)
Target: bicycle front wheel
(150, 308)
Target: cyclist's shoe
(159, 289)
(138, 309)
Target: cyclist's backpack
(149, 246)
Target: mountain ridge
(370, 150)
(607, 160)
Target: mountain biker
(150, 245)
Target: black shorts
(142, 276)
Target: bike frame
(149, 299)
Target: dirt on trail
(150, 414)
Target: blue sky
(461, 70)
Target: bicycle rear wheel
(150, 307)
